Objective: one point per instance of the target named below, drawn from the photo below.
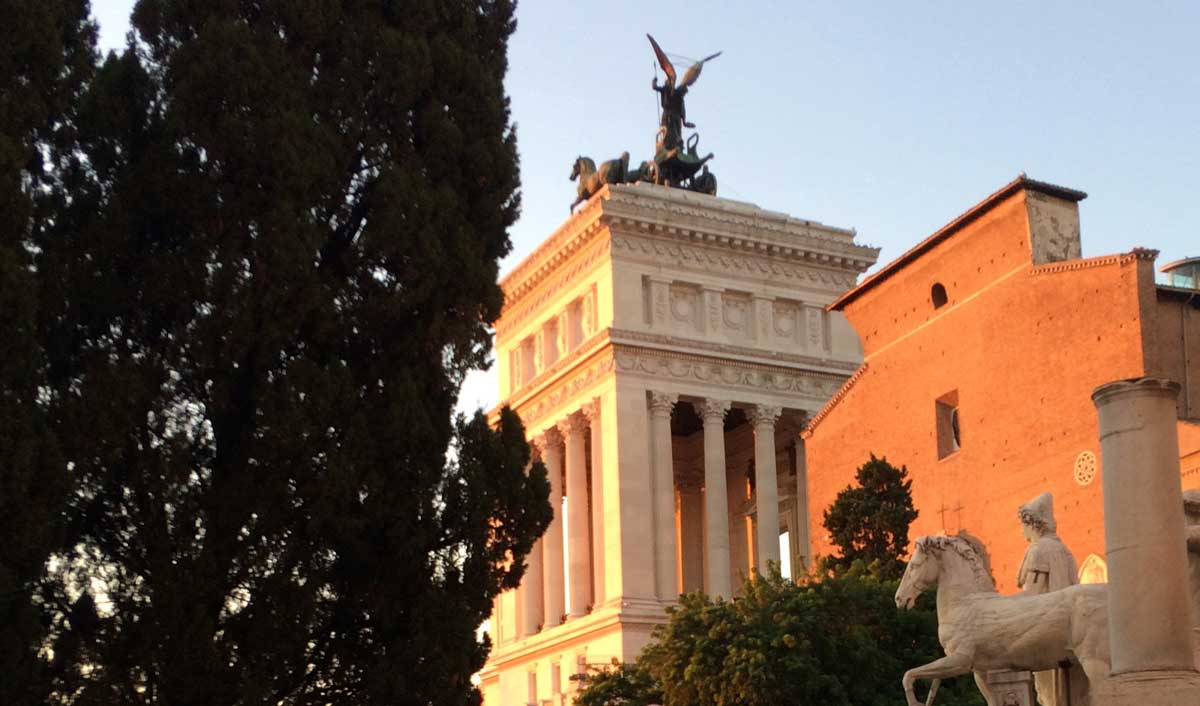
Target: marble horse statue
(981, 630)
(592, 179)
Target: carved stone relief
(816, 327)
(784, 319)
(736, 312)
(685, 305)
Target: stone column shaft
(691, 539)
(799, 533)
(531, 592)
(661, 405)
(592, 412)
(1149, 615)
(766, 489)
(716, 500)
(578, 544)
(552, 541)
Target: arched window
(938, 295)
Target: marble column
(716, 501)
(799, 535)
(578, 543)
(1148, 608)
(661, 405)
(591, 411)
(766, 490)
(691, 538)
(550, 443)
(530, 594)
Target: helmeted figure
(1048, 566)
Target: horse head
(575, 168)
(959, 560)
(921, 573)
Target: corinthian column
(591, 410)
(550, 443)
(716, 502)
(661, 404)
(578, 551)
(530, 593)
(766, 490)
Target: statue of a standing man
(1048, 566)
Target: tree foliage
(869, 522)
(628, 684)
(272, 260)
(46, 56)
(834, 641)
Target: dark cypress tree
(46, 55)
(869, 522)
(279, 260)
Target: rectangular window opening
(949, 429)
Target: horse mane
(967, 546)
(587, 162)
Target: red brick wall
(1023, 349)
(1175, 327)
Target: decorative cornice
(518, 307)
(1089, 262)
(578, 381)
(720, 224)
(625, 336)
(833, 401)
(739, 259)
(732, 375)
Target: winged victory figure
(674, 114)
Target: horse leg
(985, 688)
(948, 666)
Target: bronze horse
(591, 179)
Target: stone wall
(1017, 350)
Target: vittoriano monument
(676, 161)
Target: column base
(1158, 688)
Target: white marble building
(664, 349)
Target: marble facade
(664, 349)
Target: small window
(938, 295)
(949, 430)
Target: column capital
(591, 410)
(762, 414)
(661, 403)
(714, 410)
(573, 423)
(548, 438)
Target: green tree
(836, 641)
(277, 262)
(869, 522)
(626, 684)
(46, 56)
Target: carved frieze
(730, 374)
(721, 262)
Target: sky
(889, 118)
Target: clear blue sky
(891, 118)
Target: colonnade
(702, 520)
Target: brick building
(982, 345)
